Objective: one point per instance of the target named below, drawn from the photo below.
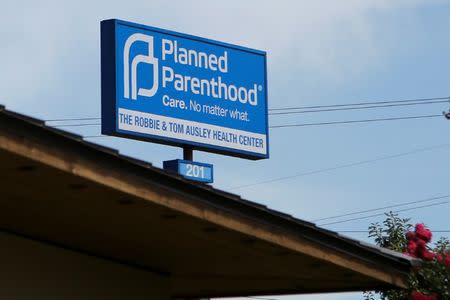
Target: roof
(208, 241)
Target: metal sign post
(188, 153)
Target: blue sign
(190, 169)
(176, 89)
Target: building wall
(34, 270)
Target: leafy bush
(431, 281)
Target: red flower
(423, 233)
(447, 261)
(444, 259)
(410, 235)
(421, 244)
(412, 248)
(426, 255)
(416, 295)
(420, 226)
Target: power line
(97, 136)
(375, 104)
(77, 125)
(360, 103)
(424, 149)
(296, 125)
(72, 119)
(352, 108)
(356, 121)
(382, 208)
(381, 214)
(298, 111)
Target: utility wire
(72, 119)
(360, 103)
(375, 104)
(296, 111)
(296, 125)
(351, 108)
(77, 125)
(382, 208)
(355, 121)
(382, 214)
(424, 149)
(97, 136)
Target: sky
(319, 53)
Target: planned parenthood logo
(138, 59)
(172, 54)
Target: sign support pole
(188, 153)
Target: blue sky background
(319, 52)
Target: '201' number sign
(191, 169)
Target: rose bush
(431, 281)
